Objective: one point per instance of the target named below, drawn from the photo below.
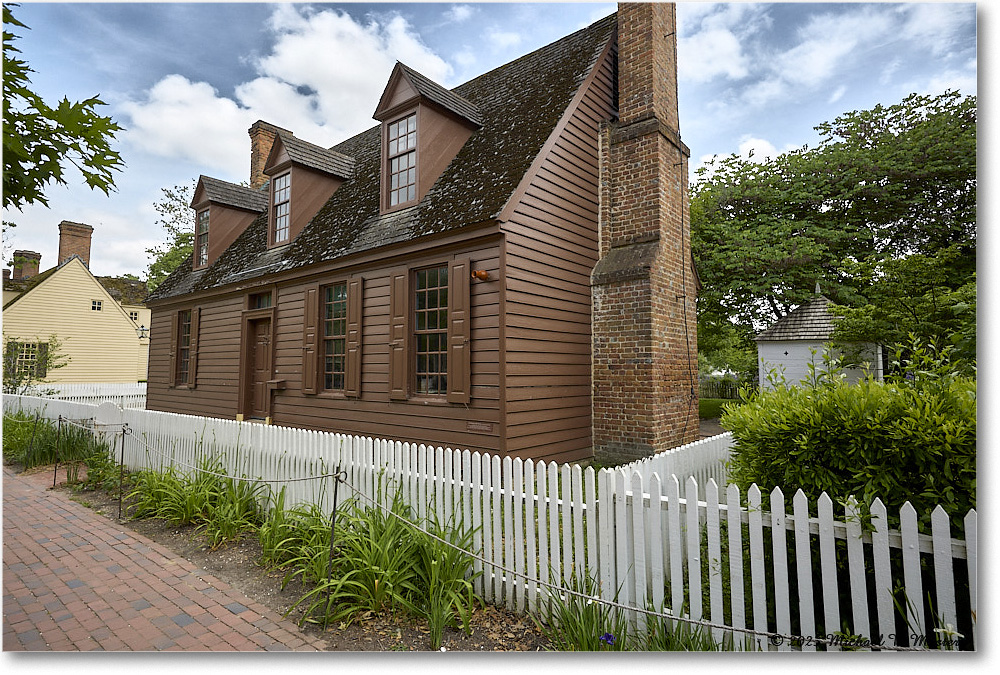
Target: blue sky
(186, 80)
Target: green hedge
(911, 439)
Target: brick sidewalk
(75, 581)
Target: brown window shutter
(310, 340)
(42, 360)
(172, 378)
(398, 339)
(459, 331)
(193, 358)
(355, 312)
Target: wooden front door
(259, 368)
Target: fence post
(121, 472)
(329, 564)
(55, 468)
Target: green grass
(711, 408)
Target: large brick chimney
(74, 239)
(262, 135)
(645, 386)
(25, 265)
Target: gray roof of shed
(811, 321)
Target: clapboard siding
(219, 363)
(551, 250)
(217, 374)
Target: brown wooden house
(504, 266)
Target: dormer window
(402, 155)
(412, 162)
(201, 243)
(281, 195)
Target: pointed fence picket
(670, 542)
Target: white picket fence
(670, 543)
(126, 395)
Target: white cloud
(837, 94)
(709, 54)
(188, 120)
(933, 24)
(756, 149)
(500, 39)
(828, 41)
(321, 79)
(458, 13)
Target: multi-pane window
(431, 330)
(334, 337)
(281, 205)
(96, 305)
(260, 300)
(29, 360)
(201, 245)
(134, 315)
(402, 154)
(183, 346)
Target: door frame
(246, 361)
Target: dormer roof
(428, 89)
(229, 194)
(520, 105)
(311, 156)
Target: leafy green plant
(911, 438)
(446, 579)
(30, 442)
(575, 622)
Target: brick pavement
(74, 580)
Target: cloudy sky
(186, 80)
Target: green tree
(881, 184)
(38, 139)
(177, 219)
(930, 297)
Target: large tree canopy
(39, 139)
(882, 185)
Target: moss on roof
(520, 104)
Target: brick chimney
(262, 135)
(74, 239)
(645, 384)
(26, 265)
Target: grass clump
(382, 562)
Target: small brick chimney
(645, 372)
(262, 135)
(74, 239)
(26, 265)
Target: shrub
(911, 438)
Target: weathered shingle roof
(520, 104)
(811, 321)
(231, 194)
(317, 157)
(444, 97)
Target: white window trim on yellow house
(101, 346)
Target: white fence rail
(126, 395)
(671, 543)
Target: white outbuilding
(799, 339)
